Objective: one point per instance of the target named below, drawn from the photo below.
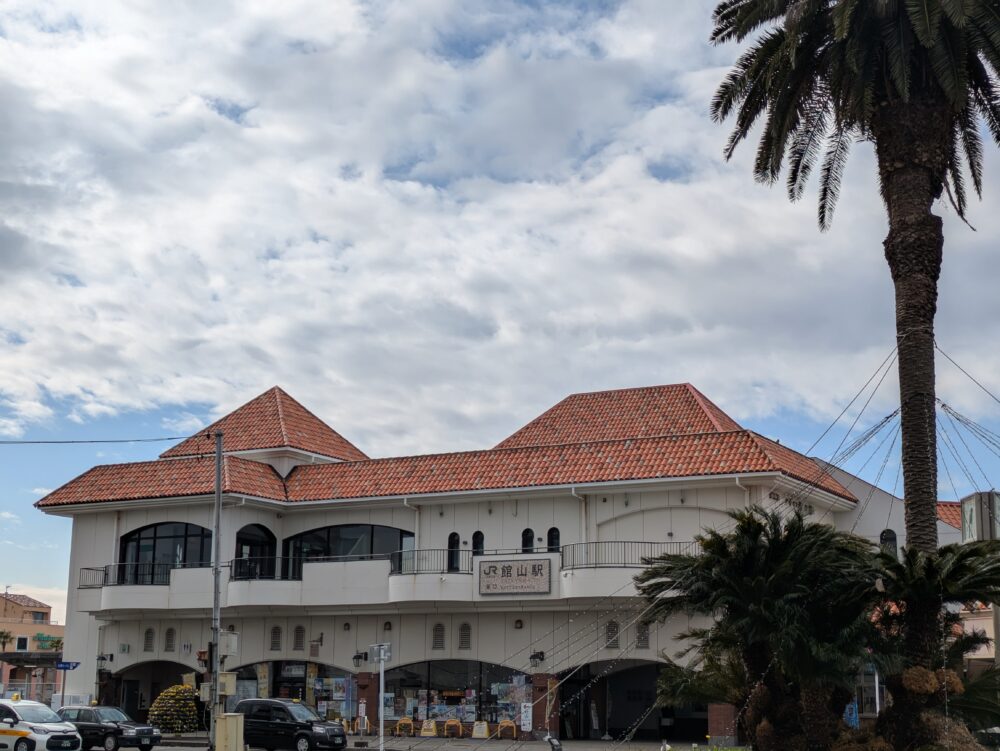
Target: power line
(93, 440)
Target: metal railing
(430, 562)
(117, 574)
(255, 569)
(618, 554)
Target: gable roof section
(271, 420)
(173, 479)
(24, 601)
(677, 409)
(692, 455)
(950, 512)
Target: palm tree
(914, 77)
(917, 618)
(6, 637)
(798, 633)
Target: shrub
(175, 711)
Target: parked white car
(32, 726)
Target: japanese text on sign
(519, 576)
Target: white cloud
(40, 491)
(428, 220)
(9, 517)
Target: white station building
(500, 578)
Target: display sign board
(67, 665)
(480, 729)
(515, 576)
(428, 729)
(526, 717)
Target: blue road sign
(67, 665)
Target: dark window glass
(69, 715)
(554, 540)
(453, 552)
(280, 714)
(386, 540)
(260, 712)
(527, 541)
(478, 541)
(351, 540)
(151, 552)
(87, 715)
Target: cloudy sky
(428, 220)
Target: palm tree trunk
(912, 147)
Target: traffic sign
(67, 665)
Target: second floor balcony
(576, 570)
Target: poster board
(480, 729)
(428, 729)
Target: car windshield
(112, 714)
(302, 713)
(39, 713)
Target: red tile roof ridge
(278, 393)
(815, 476)
(500, 449)
(709, 407)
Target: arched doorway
(595, 705)
(256, 547)
(136, 687)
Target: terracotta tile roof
(271, 420)
(698, 454)
(677, 409)
(950, 512)
(167, 479)
(24, 601)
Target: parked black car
(286, 724)
(110, 728)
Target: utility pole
(216, 609)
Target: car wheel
(22, 745)
(110, 743)
(302, 743)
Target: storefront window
(464, 690)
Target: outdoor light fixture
(319, 640)
(537, 658)
(518, 624)
(360, 657)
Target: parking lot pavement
(506, 745)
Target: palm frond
(837, 150)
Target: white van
(32, 726)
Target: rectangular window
(22, 644)
(38, 617)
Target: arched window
(553, 539)
(256, 548)
(437, 636)
(478, 543)
(453, 552)
(148, 554)
(299, 639)
(276, 639)
(611, 635)
(343, 541)
(465, 636)
(169, 640)
(642, 635)
(528, 541)
(148, 640)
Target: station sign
(515, 576)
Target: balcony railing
(287, 568)
(115, 574)
(430, 562)
(618, 554)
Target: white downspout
(416, 522)
(746, 493)
(584, 526)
